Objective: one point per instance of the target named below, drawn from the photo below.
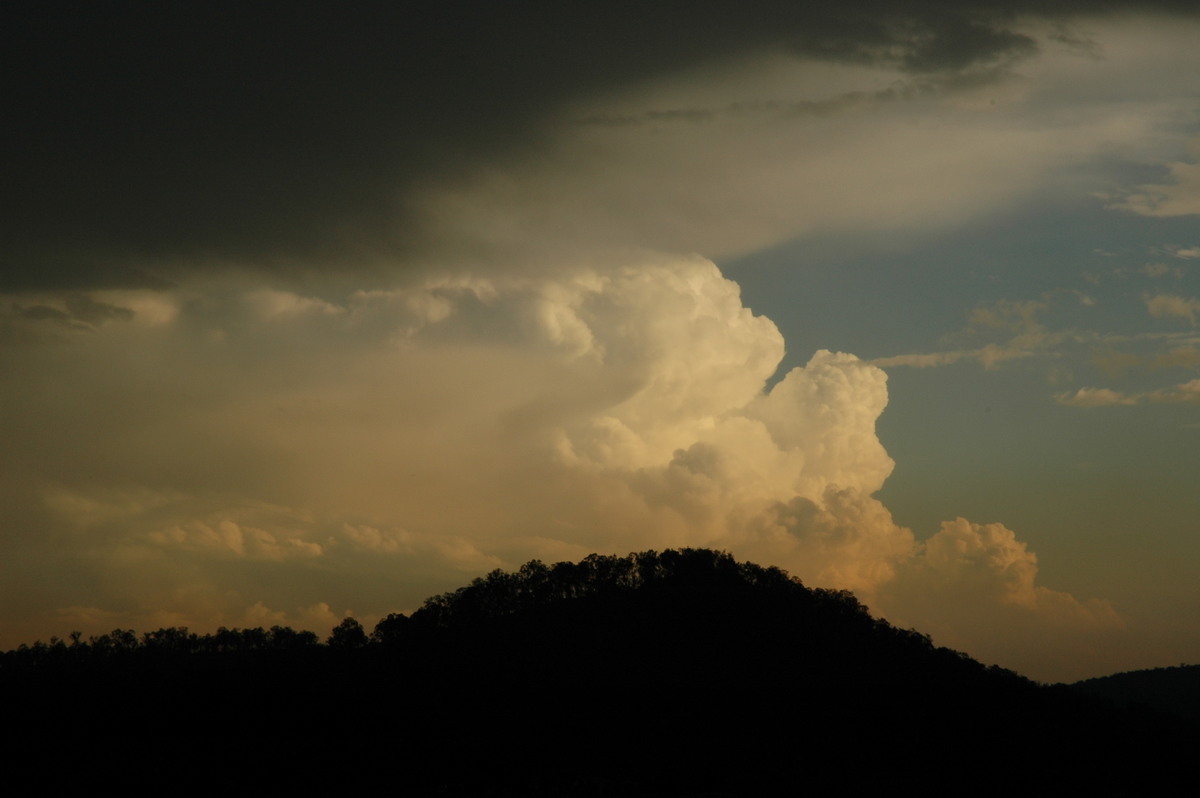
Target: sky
(313, 310)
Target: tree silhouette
(392, 630)
(347, 634)
(676, 673)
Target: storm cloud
(317, 310)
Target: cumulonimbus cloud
(263, 444)
(355, 451)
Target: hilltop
(672, 673)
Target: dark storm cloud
(143, 132)
(957, 43)
(79, 309)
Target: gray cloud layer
(141, 132)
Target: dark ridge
(675, 673)
(1174, 690)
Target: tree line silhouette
(682, 672)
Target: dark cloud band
(275, 132)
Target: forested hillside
(672, 673)
(1174, 690)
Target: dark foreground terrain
(673, 673)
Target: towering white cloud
(266, 451)
(970, 573)
(535, 378)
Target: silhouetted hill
(673, 673)
(1174, 690)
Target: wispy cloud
(1015, 322)
(1180, 197)
(1094, 397)
(1162, 306)
(1184, 393)
(1154, 270)
(989, 356)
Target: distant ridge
(673, 673)
(1174, 690)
